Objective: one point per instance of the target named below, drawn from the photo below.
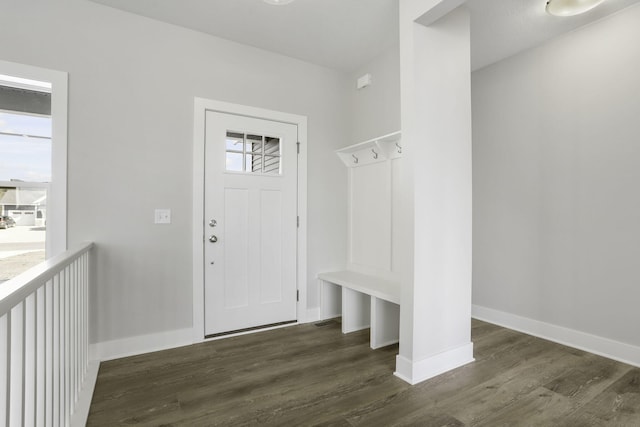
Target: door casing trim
(201, 106)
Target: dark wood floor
(315, 376)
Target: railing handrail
(14, 291)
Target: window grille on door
(253, 154)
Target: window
(253, 154)
(33, 149)
(25, 174)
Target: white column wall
(435, 328)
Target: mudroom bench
(363, 301)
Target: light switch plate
(163, 216)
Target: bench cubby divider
(366, 302)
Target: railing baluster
(30, 337)
(49, 335)
(74, 334)
(67, 346)
(85, 308)
(56, 352)
(81, 362)
(16, 396)
(81, 323)
(76, 347)
(5, 367)
(63, 340)
(41, 351)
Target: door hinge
(298, 144)
(298, 221)
(297, 295)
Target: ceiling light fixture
(277, 2)
(570, 7)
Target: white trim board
(422, 370)
(141, 344)
(310, 315)
(201, 106)
(601, 346)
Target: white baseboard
(83, 404)
(141, 344)
(601, 346)
(132, 346)
(310, 315)
(421, 370)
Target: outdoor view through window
(25, 174)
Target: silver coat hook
(399, 148)
(375, 155)
(355, 159)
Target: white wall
(132, 82)
(556, 165)
(375, 110)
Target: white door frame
(201, 106)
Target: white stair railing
(44, 342)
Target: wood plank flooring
(314, 376)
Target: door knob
(213, 238)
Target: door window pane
(272, 165)
(234, 141)
(253, 163)
(234, 162)
(272, 146)
(254, 144)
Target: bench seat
(384, 289)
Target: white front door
(250, 225)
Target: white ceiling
(347, 34)
(501, 28)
